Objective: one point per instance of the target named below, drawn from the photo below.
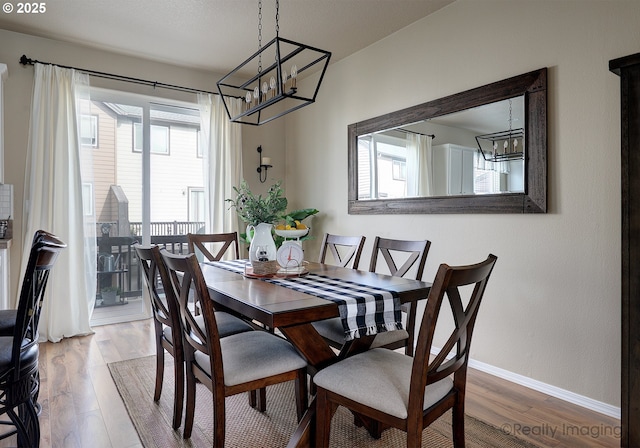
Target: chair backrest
(343, 249)
(392, 251)
(455, 282)
(186, 278)
(176, 244)
(158, 282)
(213, 246)
(45, 249)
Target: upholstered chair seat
(380, 379)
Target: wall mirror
(480, 151)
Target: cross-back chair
(231, 365)
(166, 321)
(400, 256)
(344, 250)
(385, 388)
(213, 246)
(19, 374)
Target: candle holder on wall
(264, 163)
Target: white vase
(262, 244)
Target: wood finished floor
(81, 406)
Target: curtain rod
(24, 60)
(415, 132)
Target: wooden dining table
(293, 312)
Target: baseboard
(562, 394)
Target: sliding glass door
(147, 188)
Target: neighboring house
(114, 131)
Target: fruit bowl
(293, 233)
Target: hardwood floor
(81, 406)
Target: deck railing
(124, 273)
(168, 227)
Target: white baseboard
(562, 394)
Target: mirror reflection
(477, 151)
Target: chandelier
(503, 145)
(273, 90)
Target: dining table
(291, 310)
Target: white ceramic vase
(262, 244)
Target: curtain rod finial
(24, 60)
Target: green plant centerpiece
(255, 209)
(271, 209)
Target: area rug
(247, 427)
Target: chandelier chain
(259, 35)
(277, 17)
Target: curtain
(222, 150)
(419, 165)
(53, 191)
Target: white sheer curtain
(53, 191)
(221, 143)
(419, 165)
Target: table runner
(364, 310)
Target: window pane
(159, 139)
(89, 130)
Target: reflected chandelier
(503, 145)
(273, 91)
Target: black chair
(8, 317)
(19, 375)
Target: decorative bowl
(294, 233)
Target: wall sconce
(264, 163)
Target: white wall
(552, 308)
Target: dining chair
(213, 246)
(8, 317)
(343, 250)
(231, 365)
(400, 256)
(384, 388)
(166, 321)
(19, 374)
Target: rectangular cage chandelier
(501, 146)
(273, 90)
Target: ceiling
(217, 35)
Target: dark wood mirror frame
(532, 85)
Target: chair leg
(190, 404)
(178, 393)
(302, 396)
(457, 425)
(159, 369)
(323, 419)
(218, 421)
(27, 425)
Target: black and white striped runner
(364, 310)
